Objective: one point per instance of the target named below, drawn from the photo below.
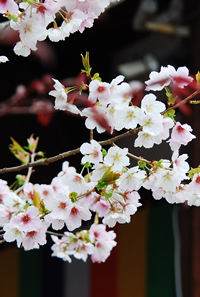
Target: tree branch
(64, 155)
(183, 101)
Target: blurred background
(158, 252)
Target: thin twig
(91, 134)
(56, 234)
(85, 194)
(182, 101)
(138, 158)
(64, 155)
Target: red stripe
(104, 276)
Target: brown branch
(45, 161)
(56, 234)
(138, 158)
(64, 155)
(183, 101)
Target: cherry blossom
(12, 233)
(167, 75)
(47, 8)
(3, 59)
(181, 134)
(30, 31)
(150, 105)
(92, 151)
(8, 5)
(60, 206)
(109, 189)
(99, 90)
(117, 158)
(33, 239)
(76, 215)
(27, 221)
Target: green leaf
(170, 114)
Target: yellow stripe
(9, 271)
(132, 256)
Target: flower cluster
(109, 188)
(36, 20)
(111, 107)
(96, 242)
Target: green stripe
(160, 251)
(29, 273)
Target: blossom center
(96, 234)
(180, 129)
(167, 176)
(131, 115)
(74, 211)
(77, 179)
(95, 154)
(27, 28)
(198, 180)
(117, 157)
(31, 234)
(41, 9)
(101, 89)
(62, 205)
(149, 108)
(25, 219)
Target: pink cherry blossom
(96, 118)
(181, 134)
(77, 214)
(33, 239)
(167, 75)
(27, 221)
(194, 185)
(8, 5)
(5, 215)
(47, 8)
(158, 80)
(179, 77)
(84, 249)
(104, 242)
(99, 90)
(60, 206)
(59, 249)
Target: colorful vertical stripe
(141, 265)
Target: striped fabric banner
(141, 265)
